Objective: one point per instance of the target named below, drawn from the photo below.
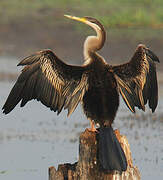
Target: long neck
(94, 43)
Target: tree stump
(88, 167)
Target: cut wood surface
(88, 167)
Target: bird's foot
(92, 129)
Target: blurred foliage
(119, 13)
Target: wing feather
(137, 79)
(49, 80)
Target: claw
(92, 129)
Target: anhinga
(95, 84)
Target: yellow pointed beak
(76, 18)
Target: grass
(119, 13)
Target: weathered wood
(88, 167)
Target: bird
(95, 84)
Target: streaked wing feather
(78, 94)
(12, 99)
(151, 95)
(137, 80)
(127, 98)
(28, 95)
(49, 80)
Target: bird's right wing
(49, 80)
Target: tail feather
(111, 154)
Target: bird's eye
(90, 19)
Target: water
(8, 64)
(34, 138)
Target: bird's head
(92, 22)
(92, 43)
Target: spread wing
(137, 79)
(49, 80)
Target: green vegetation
(119, 13)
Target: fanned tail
(111, 154)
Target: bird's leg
(92, 129)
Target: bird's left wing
(137, 79)
(49, 80)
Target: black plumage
(95, 84)
(110, 146)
